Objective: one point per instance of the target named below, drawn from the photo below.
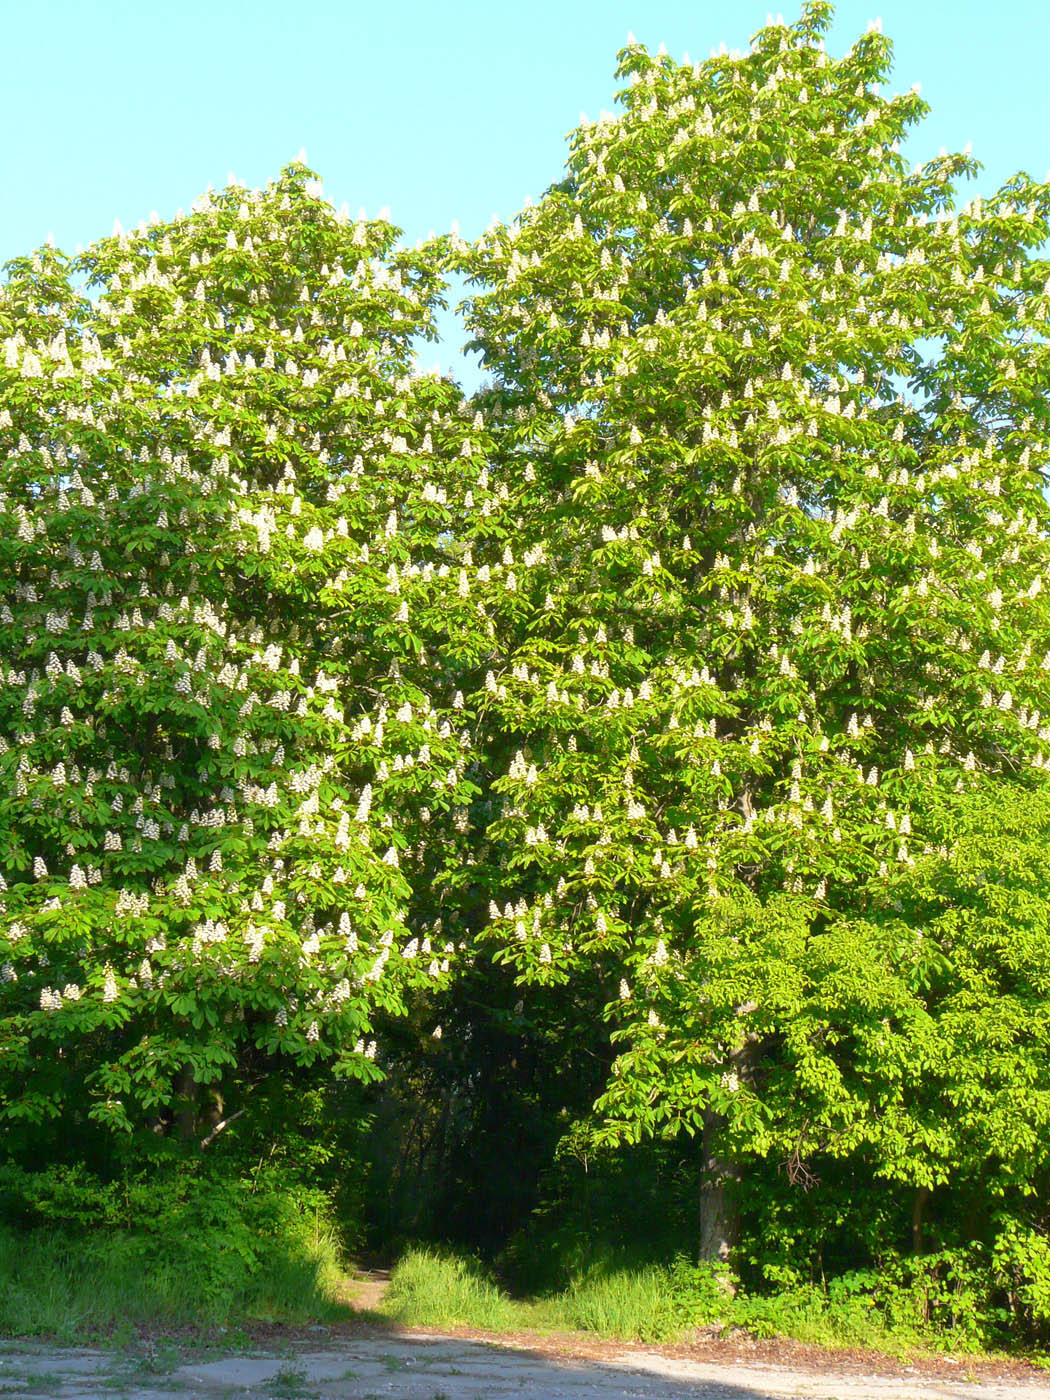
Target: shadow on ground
(391, 1365)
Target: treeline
(605, 814)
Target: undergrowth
(898, 1310)
(210, 1254)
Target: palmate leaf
(795, 613)
(195, 498)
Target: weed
(290, 1384)
(158, 1360)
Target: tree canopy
(775, 410)
(706, 648)
(233, 747)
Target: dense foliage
(705, 648)
(231, 728)
(783, 442)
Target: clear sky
(438, 109)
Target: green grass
(72, 1286)
(625, 1303)
(431, 1288)
(114, 1286)
(654, 1303)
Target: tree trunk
(922, 1195)
(187, 1113)
(719, 1220)
(719, 1214)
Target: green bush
(1022, 1264)
(192, 1250)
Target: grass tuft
(623, 1303)
(434, 1288)
(430, 1288)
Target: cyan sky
(440, 111)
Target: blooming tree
(707, 647)
(773, 413)
(232, 745)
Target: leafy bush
(946, 1300)
(1022, 1265)
(195, 1250)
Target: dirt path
(369, 1287)
(418, 1366)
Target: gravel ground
(391, 1365)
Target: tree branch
(225, 1123)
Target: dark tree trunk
(719, 1220)
(918, 1209)
(187, 1114)
(719, 1213)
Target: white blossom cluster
(765, 649)
(234, 749)
(693, 613)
